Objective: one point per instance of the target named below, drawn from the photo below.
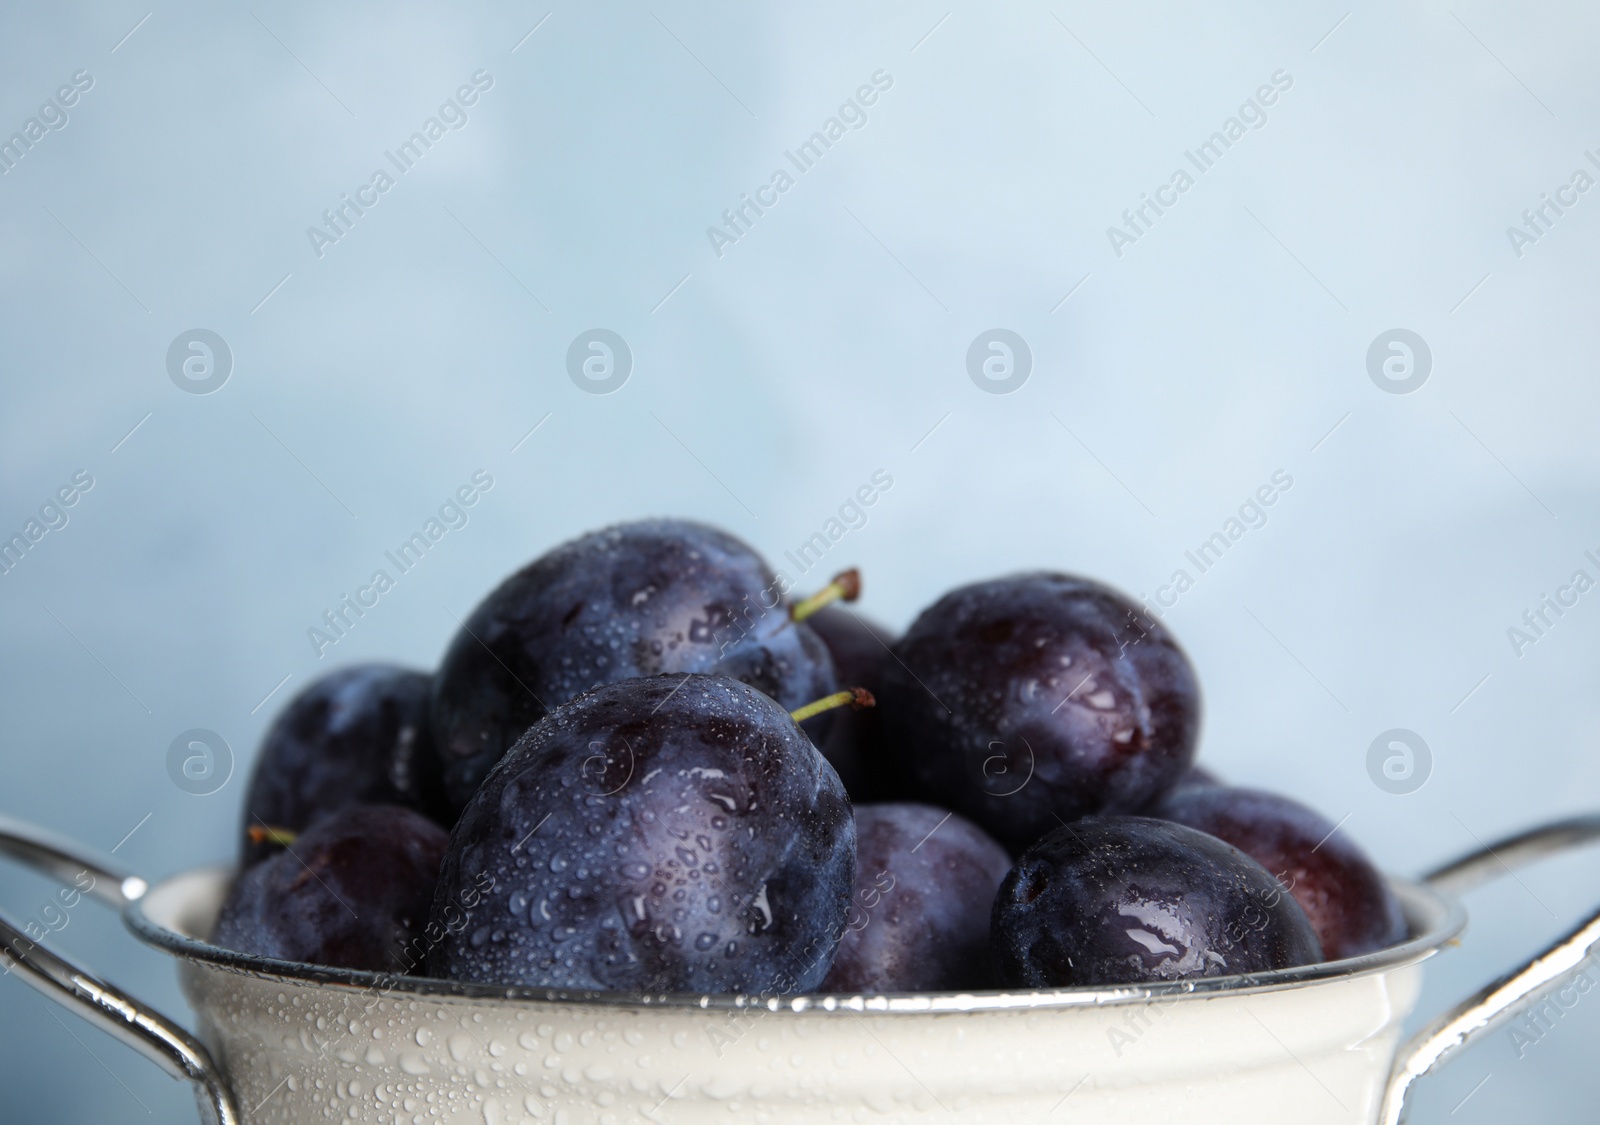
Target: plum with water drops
(637, 599)
(1028, 701)
(673, 833)
(1128, 900)
(358, 735)
(919, 919)
(352, 891)
(1345, 896)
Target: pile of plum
(641, 768)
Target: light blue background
(770, 384)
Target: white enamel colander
(289, 1043)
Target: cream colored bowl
(280, 1042)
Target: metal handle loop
(159, 1039)
(1508, 996)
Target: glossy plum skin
(637, 599)
(919, 919)
(353, 891)
(358, 735)
(1027, 701)
(1128, 900)
(855, 745)
(1342, 892)
(675, 833)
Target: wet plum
(637, 599)
(674, 833)
(1345, 896)
(1028, 701)
(1127, 900)
(358, 735)
(351, 891)
(919, 919)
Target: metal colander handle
(1497, 1003)
(155, 1036)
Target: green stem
(267, 834)
(845, 587)
(857, 698)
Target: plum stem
(845, 587)
(856, 697)
(269, 834)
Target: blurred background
(247, 414)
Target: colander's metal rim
(1435, 920)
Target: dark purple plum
(1128, 900)
(358, 735)
(1028, 701)
(1348, 901)
(675, 833)
(855, 745)
(919, 920)
(352, 891)
(637, 599)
